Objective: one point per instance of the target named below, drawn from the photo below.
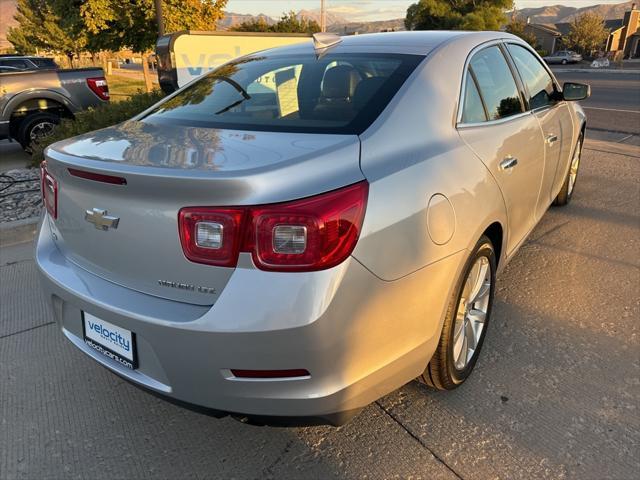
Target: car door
(544, 100)
(495, 124)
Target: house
(626, 38)
(624, 34)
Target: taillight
(314, 233)
(49, 190)
(211, 236)
(98, 85)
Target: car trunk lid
(124, 227)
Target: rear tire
(564, 62)
(36, 126)
(569, 185)
(463, 333)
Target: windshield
(337, 93)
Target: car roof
(412, 42)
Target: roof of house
(563, 28)
(546, 27)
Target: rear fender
(28, 101)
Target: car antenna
(324, 40)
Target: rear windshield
(44, 62)
(336, 93)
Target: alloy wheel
(573, 169)
(41, 130)
(471, 313)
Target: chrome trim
(493, 122)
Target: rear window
(44, 62)
(16, 63)
(336, 93)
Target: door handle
(508, 162)
(552, 138)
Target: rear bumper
(358, 336)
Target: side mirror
(575, 91)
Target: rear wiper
(238, 87)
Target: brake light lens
(309, 234)
(314, 233)
(98, 85)
(49, 190)
(211, 236)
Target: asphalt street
(615, 100)
(555, 394)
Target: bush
(96, 118)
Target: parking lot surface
(555, 394)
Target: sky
(368, 10)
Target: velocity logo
(111, 336)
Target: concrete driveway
(12, 156)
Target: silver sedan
(563, 57)
(306, 229)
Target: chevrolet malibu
(305, 229)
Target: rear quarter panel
(412, 152)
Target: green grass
(121, 87)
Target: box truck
(184, 56)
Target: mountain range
(562, 13)
(341, 24)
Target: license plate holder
(112, 341)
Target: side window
(496, 83)
(473, 110)
(535, 77)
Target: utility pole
(323, 17)
(159, 19)
(145, 55)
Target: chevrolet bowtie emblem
(100, 219)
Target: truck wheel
(36, 126)
(465, 324)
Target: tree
(73, 26)
(53, 25)
(254, 25)
(288, 23)
(115, 27)
(457, 14)
(517, 27)
(587, 33)
(291, 23)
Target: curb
(615, 148)
(18, 231)
(595, 70)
